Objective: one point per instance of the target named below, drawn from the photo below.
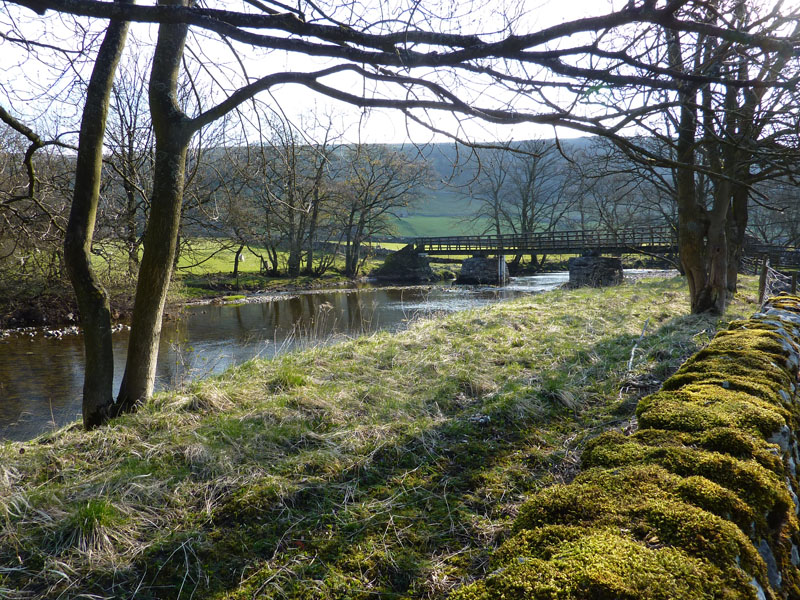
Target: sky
(294, 102)
(388, 126)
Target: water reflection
(41, 379)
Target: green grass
(436, 225)
(387, 466)
(205, 268)
(694, 504)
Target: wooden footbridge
(656, 240)
(644, 240)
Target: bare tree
(615, 195)
(725, 129)
(777, 220)
(523, 190)
(33, 209)
(293, 188)
(129, 140)
(375, 183)
(92, 299)
(489, 190)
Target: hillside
(446, 206)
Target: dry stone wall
(700, 503)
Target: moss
(762, 489)
(603, 565)
(700, 407)
(739, 444)
(751, 341)
(642, 501)
(714, 498)
(762, 369)
(764, 389)
(540, 542)
(785, 302)
(698, 486)
(390, 467)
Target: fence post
(762, 281)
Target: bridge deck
(653, 240)
(634, 240)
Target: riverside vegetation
(204, 271)
(386, 466)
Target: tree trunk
(155, 270)
(692, 217)
(130, 235)
(312, 233)
(294, 259)
(236, 264)
(273, 259)
(92, 299)
(717, 256)
(128, 172)
(172, 134)
(176, 257)
(737, 227)
(703, 270)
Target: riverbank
(56, 307)
(389, 465)
(26, 303)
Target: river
(41, 377)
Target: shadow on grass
(416, 516)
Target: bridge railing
(552, 240)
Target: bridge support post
(502, 270)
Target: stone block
(594, 271)
(482, 270)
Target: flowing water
(41, 377)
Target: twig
(633, 350)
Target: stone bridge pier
(484, 270)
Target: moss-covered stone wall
(700, 502)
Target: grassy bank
(388, 466)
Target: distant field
(199, 256)
(443, 203)
(430, 226)
(203, 256)
(217, 256)
(440, 212)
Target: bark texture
(92, 299)
(173, 131)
